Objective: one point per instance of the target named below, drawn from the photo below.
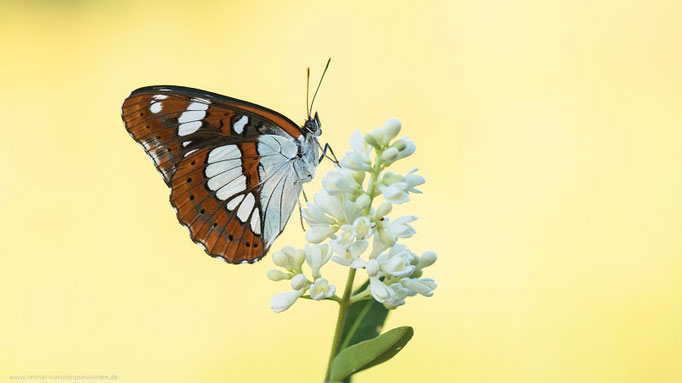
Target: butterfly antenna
(318, 86)
(307, 91)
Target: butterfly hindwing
(229, 165)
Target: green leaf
(369, 353)
(363, 321)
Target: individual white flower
(321, 289)
(412, 179)
(283, 301)
(340, 182)
(359, 158)
(423, 286)
(400, 149)
(359, 145)
(396, 192)
(330, 205)
(388, 178)
(396, 188)
(316, 256)
(384, 237)
(280, 259)
(276, 275)
(400, 227)
(343, 239)
(350, 256)
(315, 216)
(396, 263)
(363, 228)
(322, 216)
(354, 161)
(351, 211)
(398, 298)
(298, 281)
(380, 291)
(295, 256)
(378, 245)
(388, 230)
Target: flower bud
(276, 275)
(391, 128)
(408, 148)
(280, 259)
(359, 176)
(283, 301)
(370, 139)
(362, 201)
(298, 281)
(317, 256)
(386, 238)
(417, 273)
(424, 287)
(384, 209)
(427, 259)
(372, 267)
(288, 251)
(390, 155)
(296, 259)
(399, 145)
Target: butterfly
(235, 169)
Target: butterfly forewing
(229, 165)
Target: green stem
(343, 310)
(345, 302)
(351, 331)
(360, 296)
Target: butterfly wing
(229, 164)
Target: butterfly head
(313, 125)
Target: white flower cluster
(291, 260)
(342, 214)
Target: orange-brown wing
(206, 147)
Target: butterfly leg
(324, 154)
(300, 210)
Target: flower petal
(319, 233)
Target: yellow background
(550, 135)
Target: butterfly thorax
(307, 151)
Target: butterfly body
(235, 169)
